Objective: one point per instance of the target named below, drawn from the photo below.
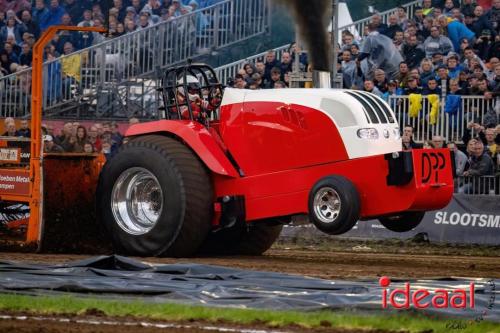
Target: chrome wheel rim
(137, 201)
(327, 204)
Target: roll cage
(175, 84)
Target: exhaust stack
(321, 79)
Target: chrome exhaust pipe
(322, 79)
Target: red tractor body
(271, 147)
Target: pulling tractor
(223, 170)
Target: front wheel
(155, 198)
(334, 205)
(402, 222)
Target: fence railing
(484, 185)
(450, 121)
(124, 71)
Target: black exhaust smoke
(312, 18)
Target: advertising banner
(14, 182)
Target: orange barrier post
(35, 226)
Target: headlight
(396, 133)
(368, 133)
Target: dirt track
(327, 264)
(331, 264)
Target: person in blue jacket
(56, 13)
(456, 31)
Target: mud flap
(69, 192)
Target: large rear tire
(402, 222)
(155, 198)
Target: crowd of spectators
(73, 137)
(23, 21)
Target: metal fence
(485, 185)
(119, 77)
(447, 121)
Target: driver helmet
(193, 86)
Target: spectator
(454, 68)
(467, 7)
(412, 52)
(275, 77)
(460, 158)
(393, 27)
(56, 13)
(457, 31)
(380, 52)
(271, 62)
(93, 137)
(490, 138)
(11, 130)
(403, 74)
(279, 85)
(88, 148)
(14, 29)
(381, 81)
(286, 63)
(408, 131)
(480, 164)
(426, 71)
(412, 87)
(406, 140)
(493, 17)
(41, 14)
(436, 43)
(438, 141)
(349, 70)
(66, 133)
(239, 82)
(484, 44)
(480, 22)
(402, 17)
(432, 88)
(377, 24)
(369, 86)
(50, 146)
(31, 26)
(24, 130)
(75, 9)
(398, 41)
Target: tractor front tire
(402, 222)
(334, 205)
(155, 198)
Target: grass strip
(413, 322)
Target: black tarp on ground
(120, 277)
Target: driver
(199, 106)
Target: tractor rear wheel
(402, 222)
(334, 205)
(155, 198)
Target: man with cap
(131, 14)
(49, 146)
